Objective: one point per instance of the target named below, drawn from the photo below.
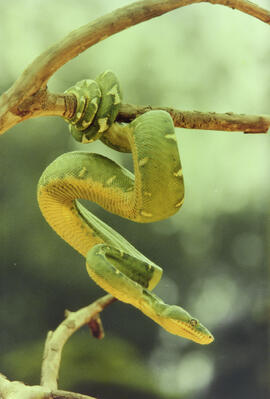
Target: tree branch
(18, 390)
(35, 77)
(58, 394)
(52, 356)
(48, 104)
(57, 339)
(229, 121)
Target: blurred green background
(214, 251)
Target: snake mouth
(198, 337)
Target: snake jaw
(199, 334)
(179, 322)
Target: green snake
(154, 192)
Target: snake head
(179, 322)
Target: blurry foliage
(214, 251)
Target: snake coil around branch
(154, 192)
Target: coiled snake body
(154, 192)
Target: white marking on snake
(104, 74)
(147, 194)
(85, 123)
(85, 140)
(94, 101)
(103, 125)
(110, 180)
(143, 161)
(82, 172)
(100, 252)
(170, 137)
(146, 214)
(179, 173)
(179, 203)
(114, 92)
(78, 115)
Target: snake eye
(193, 322)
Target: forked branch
(31, 85)
(18, 390)
(57, 339)
(52, 356)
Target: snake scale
(154, 192)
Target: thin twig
(35, 77)
(56, 339)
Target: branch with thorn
(89, 315)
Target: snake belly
(154, 192)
